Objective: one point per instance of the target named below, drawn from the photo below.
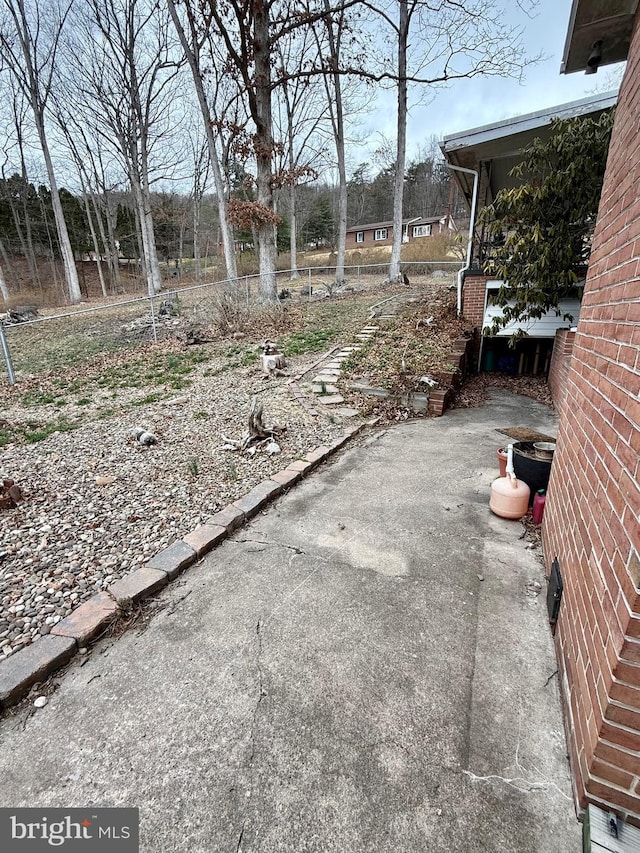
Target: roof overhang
(498, 147)
(609, 22)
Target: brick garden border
(34, 663)
(452, 379)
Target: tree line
(251, 107)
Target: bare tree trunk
(5, 259)
(4, 291)
(70, 271)
(3, 287)
(192, 53)
(401, 144)
(33, 67)
(334, 99)
(147, 242)
(94, 240)
(28, 249)
(266, 229)
(109, 240)
(293, 228)
(197, 260)
(26, 246)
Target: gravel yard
(97, 504)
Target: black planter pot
(530, 467)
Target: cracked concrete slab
(335, 676)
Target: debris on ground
(10, 494)
(476, 389)
(257, 432)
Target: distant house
(381, 233)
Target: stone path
(323, 385)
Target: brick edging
(452, 379)
(35, 662)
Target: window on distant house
(380, 234)
(421, 230)
(359, 236)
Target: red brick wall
(591, 516)
(559, 368)
(474, 294)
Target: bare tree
(250, 33)
(449, 40)
(300, 113)
(30, 37)
(334, 29)
(14, 144)
(123, 71)
(201, 170)
(194, 36)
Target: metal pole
(7, 357)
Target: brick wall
(559, 367)
(591, 516)
(474, 294)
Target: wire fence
(58, 342)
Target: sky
(482, 100)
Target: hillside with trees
(151, 132)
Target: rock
(136, 432)
(428, 380)
(273, 448)
(147, 439)
(40, 702)
(105, 480)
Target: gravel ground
(98, 504)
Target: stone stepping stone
(347, 350)
(371, 329)
(327, 378)
(331, 371)
(333, 365)
(326, 389)
(332, 400)
(347, 412)
(363, 337)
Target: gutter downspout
(472, 222)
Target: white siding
(545, 327)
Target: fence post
(7, 356)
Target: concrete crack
(261, 691)
(239, 845)
(525, 786)
(293, 548)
